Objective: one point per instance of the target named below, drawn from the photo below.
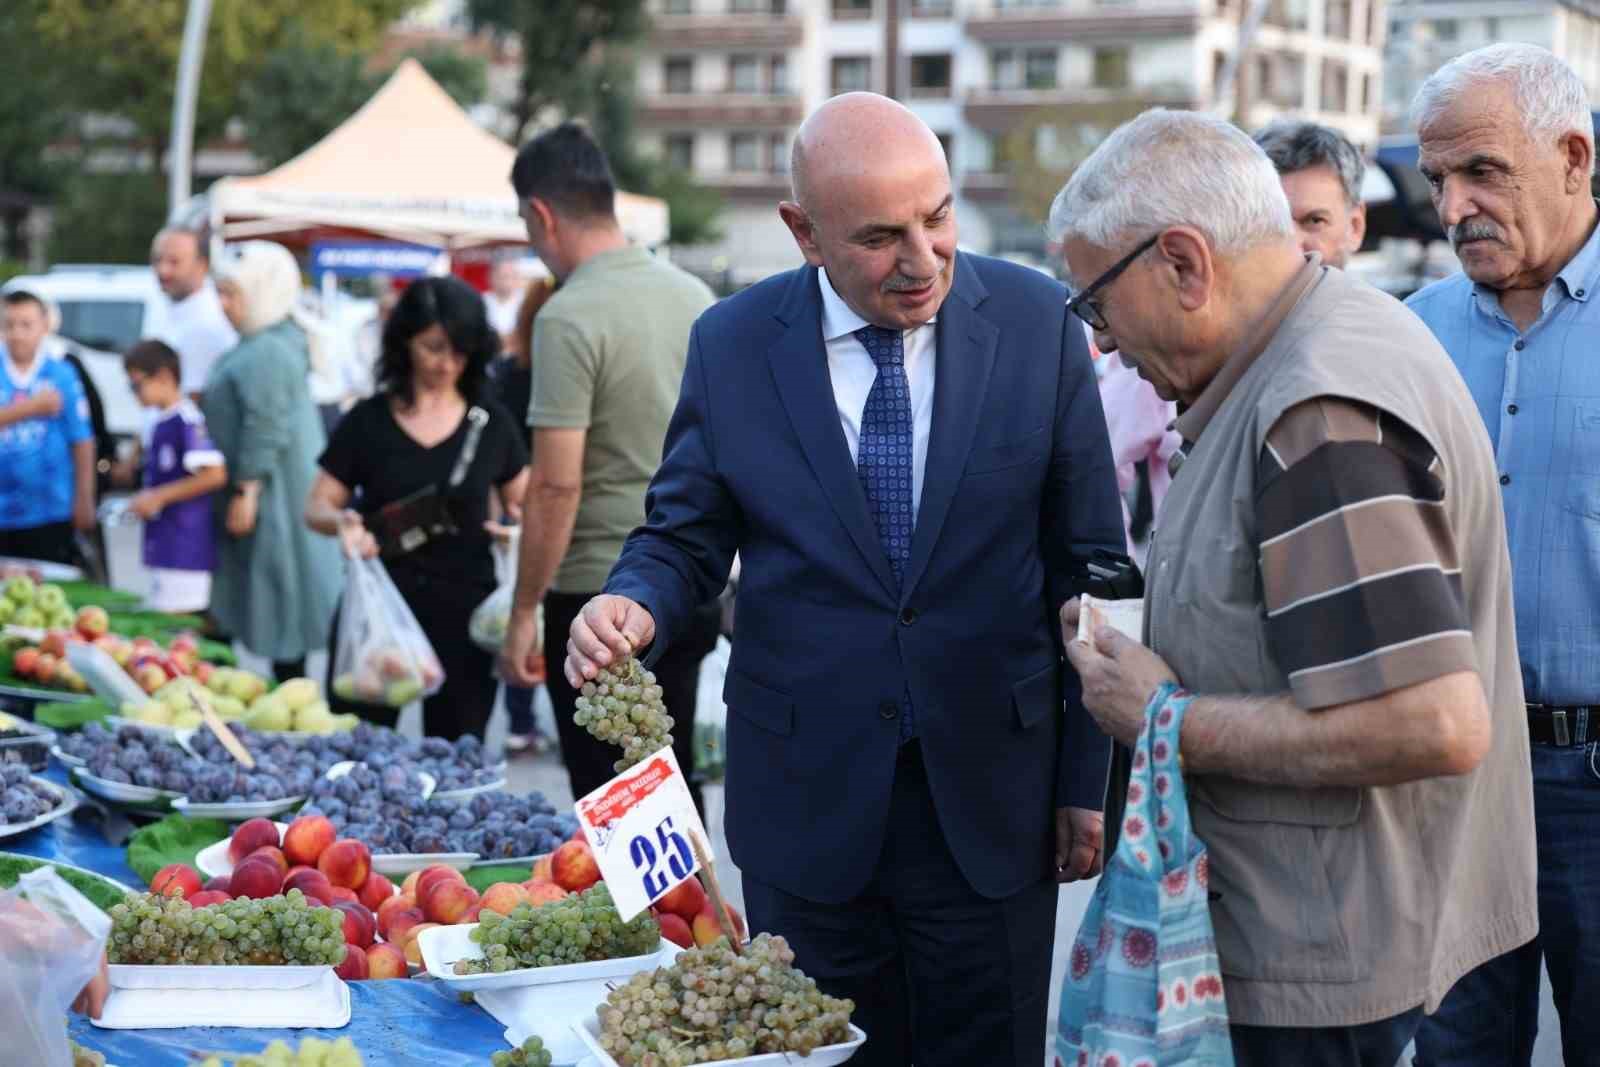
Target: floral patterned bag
(1143, 985)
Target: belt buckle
(1558, 717)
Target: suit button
(888, 710)
(907, 617)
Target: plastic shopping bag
(383, 656)
(51, 941)
(490, 619)
(1144, 985)
(711, 715)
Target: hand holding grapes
(608, 628)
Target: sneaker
(517, 744)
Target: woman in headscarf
(276, 582)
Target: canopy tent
(410, 166)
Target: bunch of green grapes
(152, 929)
(574, 929)
(714, 1005)
(82, 1057)
(623, 706)
(531, 1054)
(313, 1052)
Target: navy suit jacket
(1019, 485)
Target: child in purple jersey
(181, 471)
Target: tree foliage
(1040, 154)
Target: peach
(176, 880)
(503, 896)
(674, 929)
(685, 900)
(311, 882)
(207, 897)
(219, 884)
(449, 901)
(297, 869)
(432, 876)
(340, 893)
(707, 929)
(397, 903)
(346, 863)
(409, 886)
(356, 966)
(257, 877)
(399, 922)
(541, 870)
(386, 961)
(375, 890)
(275, 854)
(413, 944)
(359, 925)
(572, 867)
(307, 837)
(251, 836)
(543, 892)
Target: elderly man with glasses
(1330, 577)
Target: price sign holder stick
(213, 721)
(708, 875)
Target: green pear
(343, 724)
(268, 713)
(298, 692)
(155, 713)
(227, 707)
(314, 718)
(187, 719)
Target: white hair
(1550, 96)
(1174, 168)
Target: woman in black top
(406, 440)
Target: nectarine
(385, 960)
(398, 922)
(307, 838)
(256, 878)
(275, 854)
(311, 882)
(346, 862)
(685, 900)
(176, 880)
(674, 929)
(432, 876)
(543, 892)
(250, 836)
(375, 890)
(503, 896)
(207, 897)
(572, 867)
(354, 967)
(359, 924)
(448, 901)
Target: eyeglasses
(1083, 305)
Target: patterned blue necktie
(883, 462)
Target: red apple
(572, 867)
(55, 643)
(346, 862)
(203, 671)
(375, 890)
(207, 897)
(24, 662)
(356, 966)
(385, 960)
(685, 899)
(675, 929)
(399, 922)
(257, 878)
(44, 668)
(448, 902)
(184, 642)
(149, 675)
(359, 925)
(219, 884)
(250, 836)
(307, 838)
(176, 880)
(93, 622)
(275, 854)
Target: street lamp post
(190, 60)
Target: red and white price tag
(639, 826)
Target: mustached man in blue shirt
(47, 451)
(1507, 145)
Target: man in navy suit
(904, 444)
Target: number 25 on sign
(640, 825)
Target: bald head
(854, 135)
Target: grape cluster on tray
(575, 929)
(712, 1004)
(311, 1052)
(495, 825)
(531, 1053)
(152, 929)
(21, 798)
(624, 707)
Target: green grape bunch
(149, 928)
(623, 706)
(532, 1053)
(83, 1057)
(713, 1004)
(312, 1052)
(575, 929)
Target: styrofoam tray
(471, 790)
(187, 976)
(323, 1004)
(213, 862)
(390, 864)
(443, 945)
(344, 767)
(122, 792)
(67, 803)
(67, 759)
(105, 675)
(512, 861)
(588, 1031)
(254, 809)
(547, 1012)
(73, 867)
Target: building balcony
(985, 187)
(1077, 19)
(695, 32)
(998, 111)
(696, 110)
(755, 185)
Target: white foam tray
(67, 759)
(323, 1004)
(121, 792)
(443, 945)
(392, 864)
(588, 1031)
(213, 860)
(255, 809)
(66, 803)
(188, 976)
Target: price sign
(639, 825)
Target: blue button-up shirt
(1539, 394)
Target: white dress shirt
(199, 332)
(853, 373)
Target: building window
(744, 74)
(930, 75)
(677, 149)
(1366, 93)
(930, 9)
(852, 9)
(778, 153)
(1111, 68)
(851, 74)
(1005, 69)
(1335, 86)
(1039, 68)
(1446, 29)
(778, 75)
(750, 7)
(1338, 20)
(677, 7)
(678, 74)
(744, 152)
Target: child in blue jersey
(182, 471)
(47, 451)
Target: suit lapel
(800, 368)
(963, 361)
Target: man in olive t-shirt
(608, 354)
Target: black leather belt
(1563, 726)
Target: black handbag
(416, 519)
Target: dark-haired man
(1321, 173)
(608, 354)
(195, 325)
(46, 443)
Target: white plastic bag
(51, 941)
(383, 655)
(711, 715)
(490, 619)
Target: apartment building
(1424, 34)
(724, 83)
